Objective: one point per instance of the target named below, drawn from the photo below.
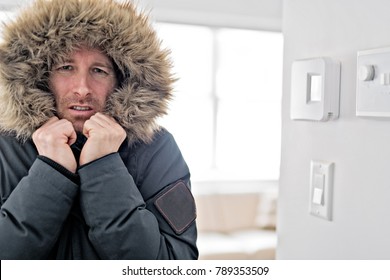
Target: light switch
(314, 93)
(384, 79)
(321, 188)
(317, 196)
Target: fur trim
(48, 30)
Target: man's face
(81, 85)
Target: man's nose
(82, 84)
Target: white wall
(359, 147)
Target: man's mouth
(81, 108)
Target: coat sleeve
(32, 216)
(154, 220)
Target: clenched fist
(104, 135)
(53, 140)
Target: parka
(133, 204)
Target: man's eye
(100, 71)
(65, 68)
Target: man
(85, 171)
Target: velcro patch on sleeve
(177, 206)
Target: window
(226, 115)
(5, 16)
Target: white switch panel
(315, 89)
(373, 83)
(321, 189)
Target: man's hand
(53, 140)
(105, 136)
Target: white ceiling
(258, 14)
(11, 4)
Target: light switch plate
(315, 89)
(321, 189)
(373, 83)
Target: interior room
(281, 111)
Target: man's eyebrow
(68, 60)
(104, 64)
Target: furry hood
(46, 31)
